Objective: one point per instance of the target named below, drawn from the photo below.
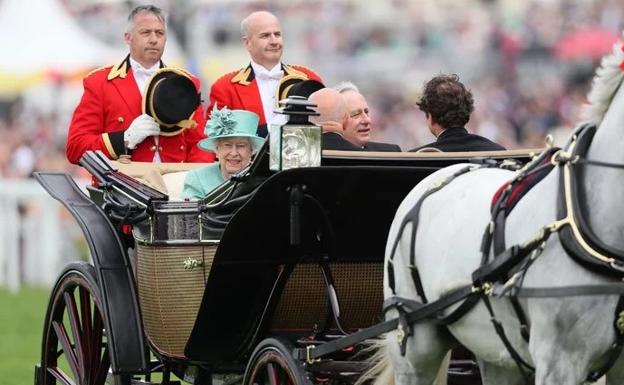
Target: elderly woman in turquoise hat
(232, 136)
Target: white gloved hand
(140, 128)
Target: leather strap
(426, 311)
(568, 291)
(577, 238)
(412, 217)
(524, 367)
(461, 310)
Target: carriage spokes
(75, 349)
(272, 364)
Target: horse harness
(502, 275)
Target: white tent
(39, 35)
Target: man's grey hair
(343, 87)
(158, 12)
(244, 27)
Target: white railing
(37, 235)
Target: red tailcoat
(110, 102)
(238, 90)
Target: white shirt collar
(141, 74)
(267, 82)
(136, 66)
(274, 73)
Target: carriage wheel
(75, 348)
(272, 364)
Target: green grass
(21, 325)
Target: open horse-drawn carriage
(238, 287)
(276, 277)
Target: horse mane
(604, 85)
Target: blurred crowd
(516, 57)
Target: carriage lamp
(297, 142)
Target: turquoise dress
(201, 181)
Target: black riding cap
(285, 84)
(171, 99)
(305, 88)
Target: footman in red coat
(110, 116)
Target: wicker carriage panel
(303, 302)
(170, 294)
(360, 293)
(304, 299)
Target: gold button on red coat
(120, 119)
(153, 148)
(181, 147)
(159, 148)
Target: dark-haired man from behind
(447, 105)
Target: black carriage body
(342, 222)
(325, 226)
(349, 208)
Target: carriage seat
(165, 177)
(174, 182)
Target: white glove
(140, 128)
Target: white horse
(569, 336)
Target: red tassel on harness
(126, 229)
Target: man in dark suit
(332, 118)
(447, 105)
(357, 129)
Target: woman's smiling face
(233, 153)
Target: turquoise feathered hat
(226, 123)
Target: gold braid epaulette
(96, 70)
(242, 76)
(292, 69)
